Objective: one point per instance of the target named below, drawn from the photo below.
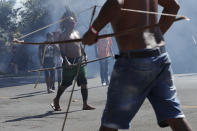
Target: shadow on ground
(10, 82)
(32, 94)
(38, 93)
(49, 113)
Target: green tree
(39, 13)
(34, 16)
(8, 24)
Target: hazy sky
(180, 44)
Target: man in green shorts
(71, 54)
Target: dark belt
(142, 54)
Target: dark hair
(69, 19)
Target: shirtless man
(71, 54)
(142, 69)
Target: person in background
(103, 48)
(46, 55)
(13, 63)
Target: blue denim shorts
(132, 81)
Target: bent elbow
(172, 6)
(173, 9)
(177, 7)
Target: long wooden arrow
(74, 65)
(121, 33)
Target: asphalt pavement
(24, 108)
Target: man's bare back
(124, 20)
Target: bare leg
(179, 124)
(103, 128)
(84, 93)
(47, 80)
(52, 80)
(16, 68)
(47, 83)
(60, 91)
(51, 85)
(59, 76)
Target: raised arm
(110, 11)
(170, 7)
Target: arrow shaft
(60, 67)
(131, 30)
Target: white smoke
(180, 44)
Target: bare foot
(88, 107)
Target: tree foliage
(8, 24)
(34, 16)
